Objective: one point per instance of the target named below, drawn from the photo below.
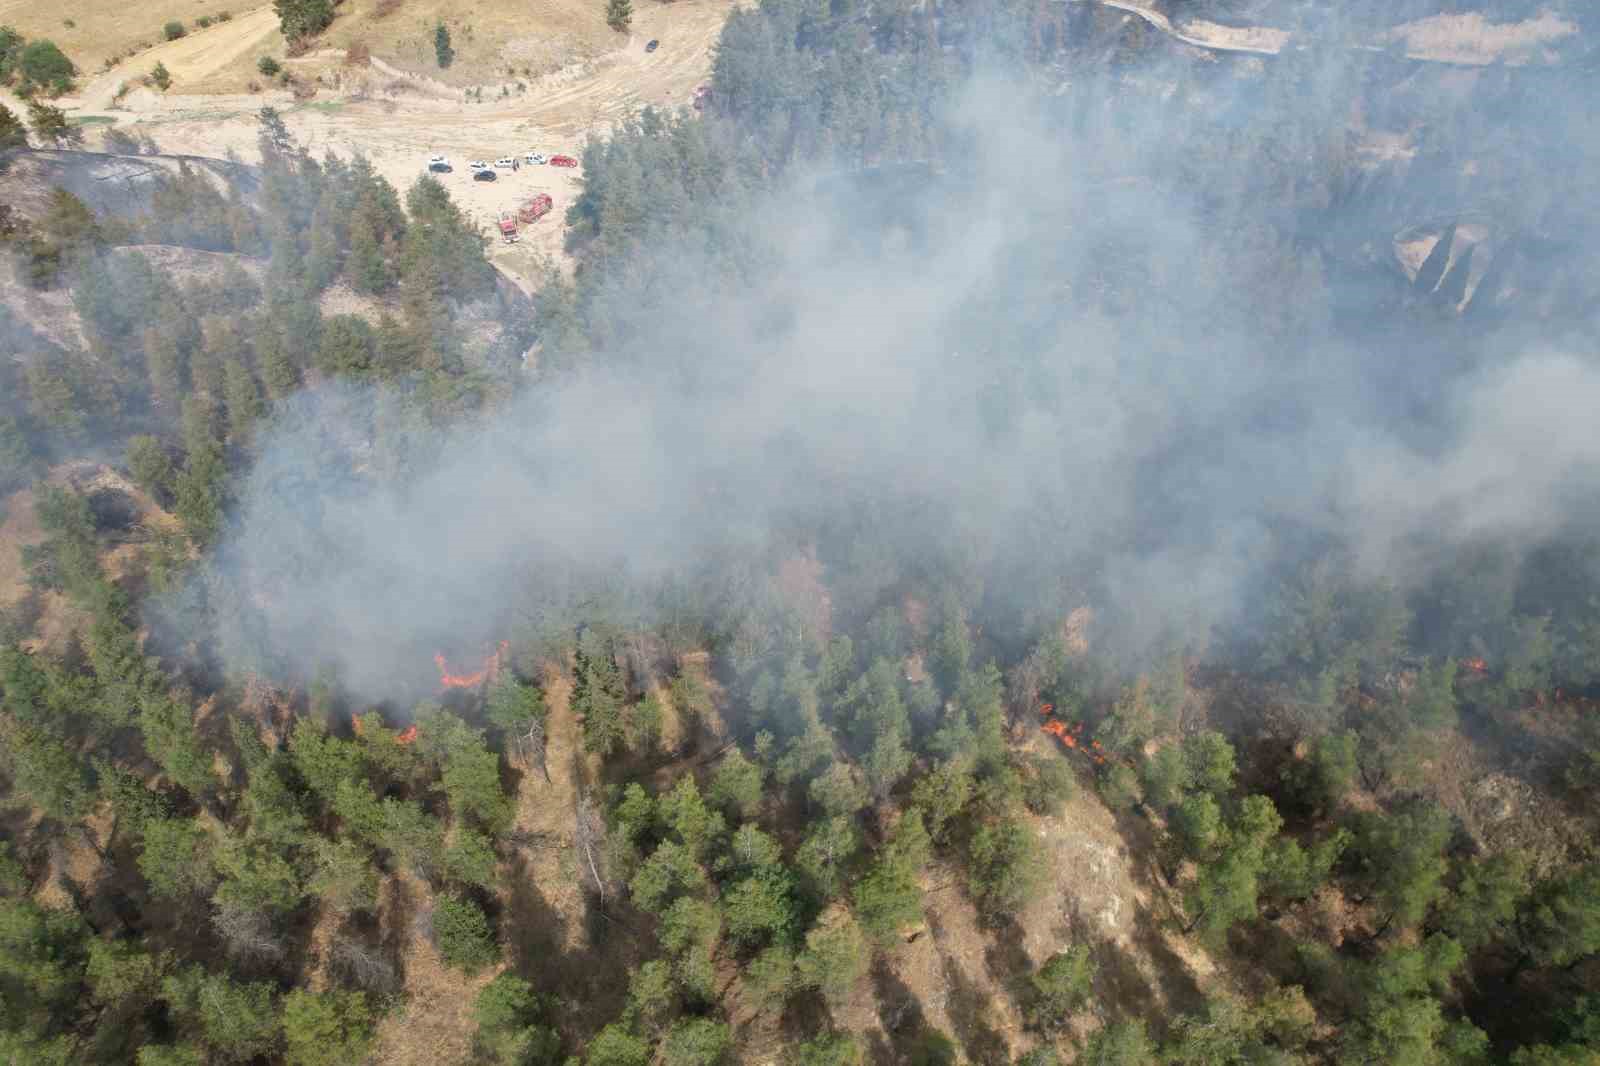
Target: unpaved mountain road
(189, 59)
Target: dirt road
(189, 59)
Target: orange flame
(1047, 709)
(1477, 666)
(406, 735)
(491, 665)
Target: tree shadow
(590, 979)
(534, 931)
(1005, 958)
(395, 926)
(1120, 989)
(1178, 989)
(970, 1009)
(899, 1012)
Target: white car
(477, 164)
(533, 159)
(440, 163)
(507, 162)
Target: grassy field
(493, 40)
(93, 31)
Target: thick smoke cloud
(1047, 356)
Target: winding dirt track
(1268, 41)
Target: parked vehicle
(508, 227)
(484, 175)
(535, 209)
(508, 162)
(534, 159)
(563, 161)
(652, 46)
(477, 164)
(439, 164)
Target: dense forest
(986, 426)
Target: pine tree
(278, 371)
(12, 133)
(442, 52)
(243, 399)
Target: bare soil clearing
(1473, 40)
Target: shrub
(441, 46)
(161, 76)
(13, 134)
(1004, 868)
(42, 63)
(173, 30)
(1119, 787)
(696, 1042)
(268, 66)
(224, 16)
(326, 1028)
(1060, 987)
(203, 21)
(1048, 788)
(461, 933)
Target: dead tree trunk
(589, 837)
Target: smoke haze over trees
(1017, 538)
(1102, 353)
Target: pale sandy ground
(1473, 40)
(1467, 39)
(104, 28)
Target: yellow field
(105, 28)
(495, 41)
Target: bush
(441, 46)
(326, 1028)
(173, 30)
(827, 1049)
(696, 1042)
(161, 77)
(1060, 986)
(1051, 784)
(203, 21)
(268, 66)
(1119, 787)
(13, 134)
(42, 63)
(1004, 868)
(461, 933)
